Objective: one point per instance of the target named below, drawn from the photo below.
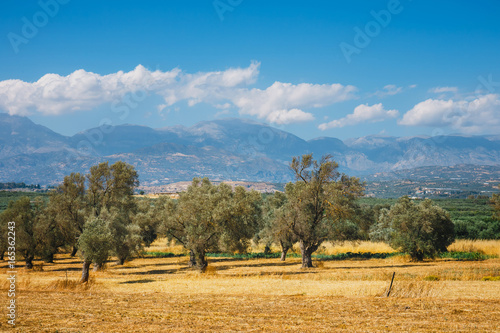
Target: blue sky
(412, 67)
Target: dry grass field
(262, 295)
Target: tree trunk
(417, 256)
(29, 262)
(85, 271)
(49, 258)
(121, 261)
(200, 261)
(1, 255)
(307, 259)
(73, 252)
(307, 251)
(284, 250)
(192, 259)
(96, 267)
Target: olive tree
(49, 233)
(111, 186)
(212, 217)
(275, 228)
(421, 230)
(110, 196)
(148, 218)
(95, 244)
(22, 212)
(4, 241)
(495, 202)
(67, 208)
(321, 204)
(126, 240)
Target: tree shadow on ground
(277, 274)
(376, 267)
(158, 271)
(138, 281)
(259, 264)
(69, 269)
(137, 266)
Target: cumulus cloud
(474, 116)
(281, 103)
(54, 94)
(210, 87)
(362, 113)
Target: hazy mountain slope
(231, 149)
(19, 135)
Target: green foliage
(8, 196)
(12, 185)
(321, 204)
(126, 240)
(431, 278)
(421, 230)
(472, 217)
(95, 242)
(212, 217)
(109, 186)
(491, 278)
(21, 212)
(275, 228)
(38, 232)
(495, 203)
(148, 219)
(110, 197)
(49, 233)
(68, 208)
(465, 256)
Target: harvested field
(162, 294)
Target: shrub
(421, 230)
(431, 278)
(491, 278)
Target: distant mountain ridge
(224, 149)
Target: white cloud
(388, 90)
(362, 113)
(441, 90)
(53, 94)
(284, 117)
(222, 113)
(210, 87)
(473, 117)
(281, 103)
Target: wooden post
(390, 286)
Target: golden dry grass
(489, 247)
(162, 294)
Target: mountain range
(225, 149)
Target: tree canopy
(421, 230)
(320, 204)
(212, 217)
